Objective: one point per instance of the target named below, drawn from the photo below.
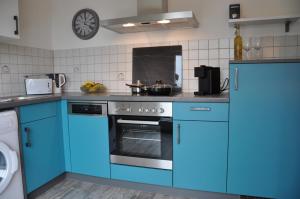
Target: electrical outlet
(5, 69)
(121, 76)
(76, 69)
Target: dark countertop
(183, 97)
(38, 99)
(261, 61)
(78, 96)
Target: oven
(141, 134)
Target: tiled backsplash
(112, 65)
(17, 62)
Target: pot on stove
(136, 88)
(159, 88)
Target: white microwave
(38, 86)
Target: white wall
(47, 23)
(35, 24)
(64, 10)
(212, 16)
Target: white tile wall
(213, 44)
(224, 43)
(203, 54)
(112, 65)
(17, 62)
(203, 44)
(267, 41)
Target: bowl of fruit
(92, 87)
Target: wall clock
(85, 24)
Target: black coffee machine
(209, 80)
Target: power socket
(5, 69)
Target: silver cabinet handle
(236, 79)
(120, 121)
(178, 133)
(200, 109)
(28, 142)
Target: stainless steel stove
(141, 134)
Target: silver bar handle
(178, 133)
(155, 123)
(236, 79)
(200, 109)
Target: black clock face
(85, 24)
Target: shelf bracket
(287, 26)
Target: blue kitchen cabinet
(42, 145)
(200, 147)
(264, 149)
(89, 145)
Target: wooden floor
(75, 189)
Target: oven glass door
(142, 137)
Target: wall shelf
(266, 20)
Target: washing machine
(11, 186)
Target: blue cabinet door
(89, 145)
(264, 149)
(43, 158)
(200, 155)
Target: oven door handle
(120, 121)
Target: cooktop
(143, 94)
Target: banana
(92, 87)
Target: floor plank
(75, 189)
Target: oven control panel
(140, 108)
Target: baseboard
(47, 186)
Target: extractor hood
(153, 15)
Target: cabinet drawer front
(200, 111)
(141, 175)
(37, 111)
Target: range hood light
(164, 21)
(128, 25)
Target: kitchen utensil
(137, 87)
(59, 80)
(209, 80)
(247, 45)
(159, 88)
(256, 42)
(38, 86)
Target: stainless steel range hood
(153, 15)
